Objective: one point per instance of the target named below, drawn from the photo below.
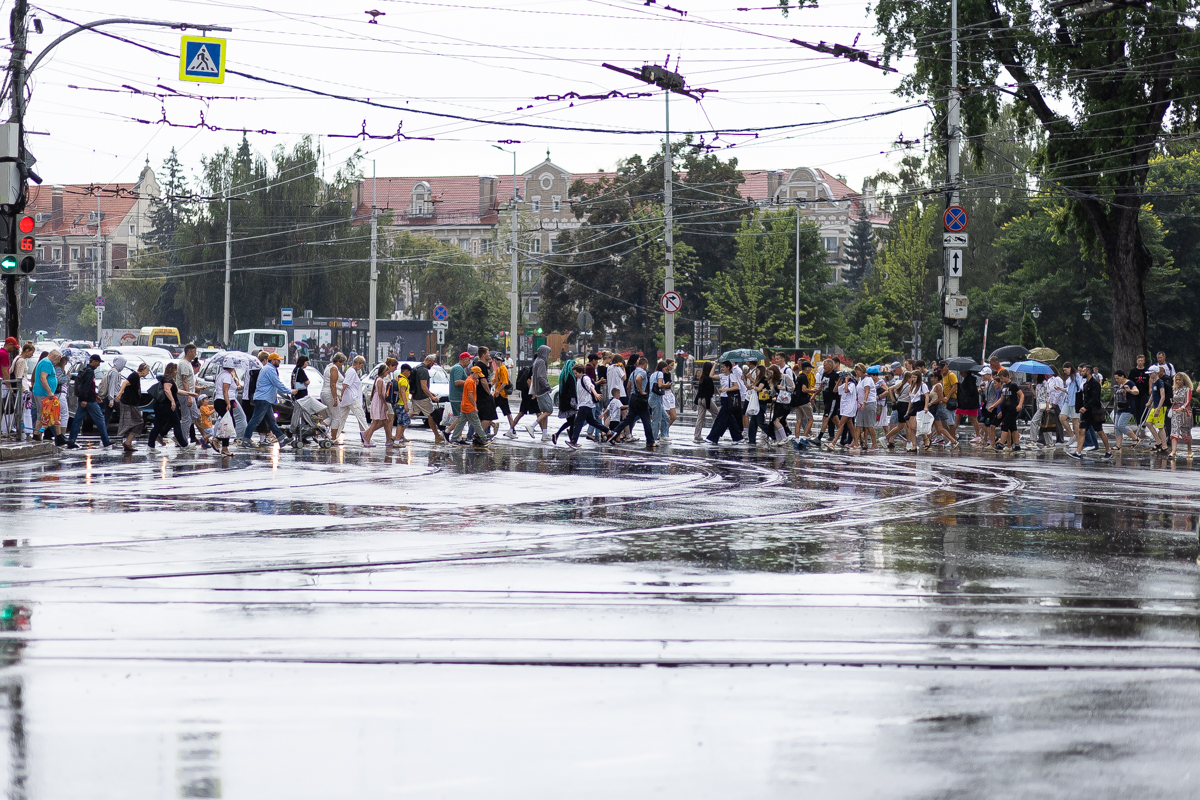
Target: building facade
(474, 212)
(88, 233)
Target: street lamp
(513, 293)
(1035, 312)
(1087, 310)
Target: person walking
(469, 411)
(1156, 415)
(130, 423)
(166, 408)
(586, 396)
(1091, 413)
(1125, 392)
(785, 401)
(400, 416)
(45, 397)
(968, 405)
(539, 389)
(383, 398)
(847, 405)
(868, 411)
(728, 417)
(802, 399)
(1181, 414)
(110, 389)
(1166, 371)
(658, 413)
(639, 404)
(668, 397)
(332, 387)
(1069, 414)
(706, 389)
(567, 386)
(89, 405)
(1138, 375)
(225, 391)
(423, 398)
(266, 395)
(758, 404)
(189, 411)
(351, 398)
(502, 388)
(827, 381)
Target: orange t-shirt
(468, 398)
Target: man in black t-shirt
(422, 398)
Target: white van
(248, 340)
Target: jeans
(659, 422)
(758, 422)
(728, 418)
(638, 409)
(92, 411)
(1122, 423)
(586, 415)
(262, 413)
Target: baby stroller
(309, 421)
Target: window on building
(91, 253)
(132, 230)
(554, 245)
(557, 204)
(74, 253)
(531, 305)
(420, 199)
(537, 204)
(485, 246)
(464, 244)
(57, 254)
(831, 244)
(536, 245)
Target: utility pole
(514, 293)
(950, 281)
(668, 231)
(374, 272)
(228, 250)
(99, 265)
(797, 347)
(16, 69)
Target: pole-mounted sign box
(202, 60)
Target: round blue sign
(441, 313)
(955, 219)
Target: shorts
(503, 407)
(668, 400)
(1008, 420)
(866, 416)
(967, 412)
(943, 414)
(987, 418)
(804, 413)
(400, 415)
(899, 412)
(1070, 413)
(545, 403)
(421, 408)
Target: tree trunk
(1128, 263)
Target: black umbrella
(1011, 352)
(961, 363)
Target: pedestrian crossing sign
(202, 60)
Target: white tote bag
(225, 428)
(924, 423)
(752, 407)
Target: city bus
(248, 340)
(154, 336)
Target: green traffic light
(8, 265)
(539, 331)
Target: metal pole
(373, 314)
(954, 176)
(669, 275)
(16, 68)
(99, 274)
(228, 252)
(797, 277)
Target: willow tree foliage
(1107, 83)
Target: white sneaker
(511, 434)
(545, 437)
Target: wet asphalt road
(534, 622)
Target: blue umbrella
(1031, 368)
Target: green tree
(1029, 334)
(860, 252)
(904, 264)
(168, 213)
(1099, 81)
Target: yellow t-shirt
(402, 390)
(949, 381)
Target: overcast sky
(472, 59)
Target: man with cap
(266, 395)
(458, 379)
(89, 406)
(468, 412)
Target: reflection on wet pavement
(933, 626)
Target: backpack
(524, 377)
(391, 393)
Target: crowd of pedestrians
(606, 398)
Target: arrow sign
(954, 263)
(671, 302)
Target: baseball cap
(10, 340)
(274, 358)
(1153, 368)
(476, 371)
(896, 365)
(461, 356)
(985, 371)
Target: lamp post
(1087, 310)
(513, 294)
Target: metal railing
(12, 409)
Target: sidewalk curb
(22, 451)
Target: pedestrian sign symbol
(440, 312)
(955, 219)
(202, 60)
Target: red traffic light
(25, 224)
(26, 244)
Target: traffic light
(22, 262)
(26, 244)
